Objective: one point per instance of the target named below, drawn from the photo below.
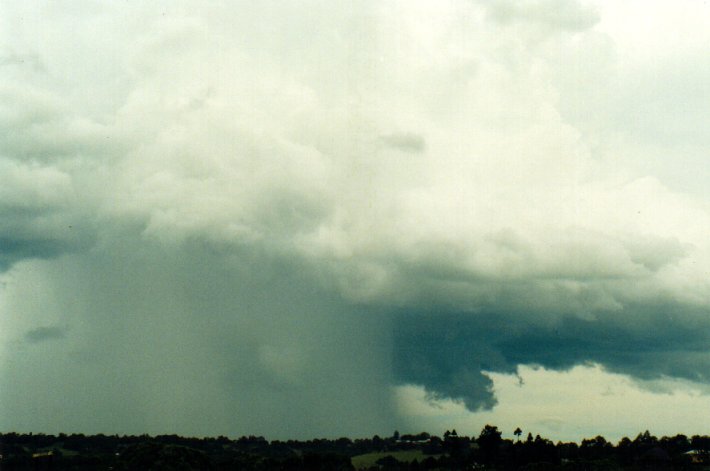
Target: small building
(697, 456)
(43, 460)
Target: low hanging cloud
(549, 15)
(38, 217)
(257, 218)
(41, 334)
(410, 142)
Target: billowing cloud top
(285, 206)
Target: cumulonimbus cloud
(420, 168)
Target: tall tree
(489, 441)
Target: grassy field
(369, 459)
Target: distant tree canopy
(455, 451)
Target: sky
(306, 219)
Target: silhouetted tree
(596, 448)
(489, 442)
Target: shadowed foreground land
(398, 452)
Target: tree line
(421, 451)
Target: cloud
(251, 216)
(580, 403)
(405, 142)
(644, 342)
(42, 334)
(552, 14)
(40, 213)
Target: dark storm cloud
(644, 342)
(438, 350)
(43, 334)
(31, 231)
(13, 250)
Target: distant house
(42, 454)
(697, 456)
(43, 460)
